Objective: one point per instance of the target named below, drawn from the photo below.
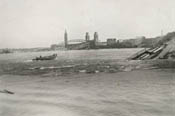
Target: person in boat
(46, 57)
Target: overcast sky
(34, 23)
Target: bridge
(79, 46)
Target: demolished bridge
(164, 50)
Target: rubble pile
(165, 49)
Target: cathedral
(87, 44)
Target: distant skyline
(40, 23)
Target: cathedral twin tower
(65, 39)
(87, 38)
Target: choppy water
(137, 93)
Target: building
(57, 47)
(77, 44)
(89, 44)
(87, 37)
(111, 41)
(135, 42)
(151, 42)
(96, 38)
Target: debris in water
(128, 68)
(28, 61)
(42, 68)
(90, 71)
(112, 70)
(7, 92)
(82, 71)
(52, 67)
(97, 71)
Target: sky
(40, 23)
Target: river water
(133, 93)
(106, 54)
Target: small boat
(51, 57)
